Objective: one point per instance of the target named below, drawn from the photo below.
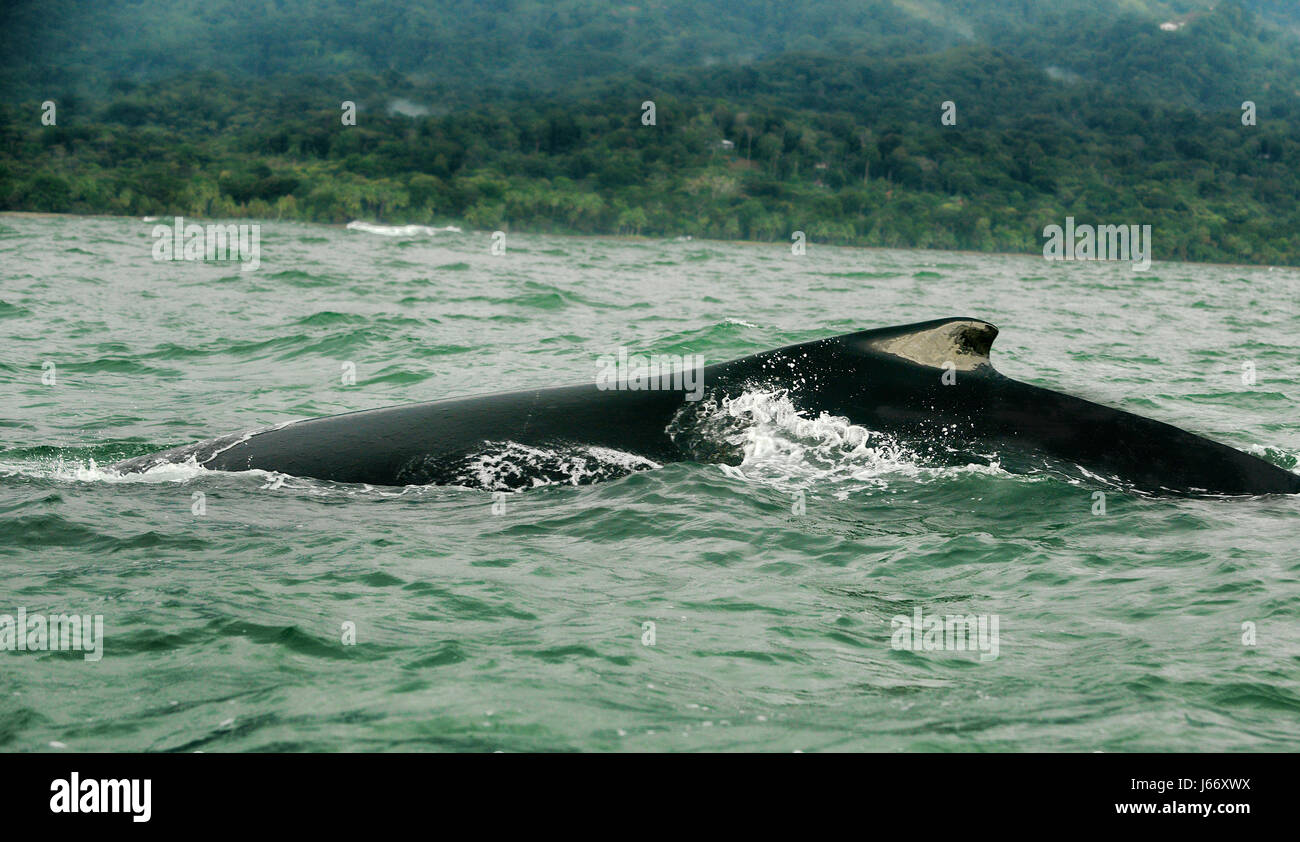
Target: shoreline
(627, 238)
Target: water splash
(761, 435)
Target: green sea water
(521, 622)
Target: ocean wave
(400, 230)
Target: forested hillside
(766, 122)
(66, 46)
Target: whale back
(931, 383)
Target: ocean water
(522, 621)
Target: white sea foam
(178, 473)
(505, 466)
(64, 470)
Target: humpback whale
(930, 382)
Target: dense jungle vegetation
(770, 117)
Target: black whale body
(888, 380)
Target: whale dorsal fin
(963, 342)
